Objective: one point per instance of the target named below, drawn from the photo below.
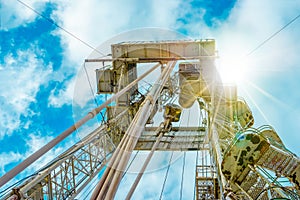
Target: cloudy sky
(42, 57)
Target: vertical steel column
(107, 187)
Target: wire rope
(274, 34)
(166, 176)
(2, 193)
(92, 91)
(112, 177)
(142, 170)
(90, 189)
(60, 27)
(130, 164)
(195, 176)
(91, 88)
(182, 175)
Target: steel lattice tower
(235, 160)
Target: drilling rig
(240, 162)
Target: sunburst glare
(261, 111)
(268, 95)
(233, 69)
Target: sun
(233, 69)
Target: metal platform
(178, 139)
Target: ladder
(251, 154)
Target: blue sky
(39, 62)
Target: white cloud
(96, 21)
(14, 13)
(151, 183)
(82, 90)
(273, 67)
(249, 23)
(59, 97)
(20, 79)
(7, 158)
(34, 142)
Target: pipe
(39, 153)
(139, 176)
(106, 188)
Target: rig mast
(236, 161)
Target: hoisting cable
(132, 140)
(166, 176)
(90, 85)
(107, 186)
(88, 191)
(92, 91)
(32, 158)
(139, 176)
(60, 27)
(182, 175)
(3, 192)
(130, 164)
(274, 34)
(133, 134)
(196, 176)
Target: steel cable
(166, 176)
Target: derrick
(234, 160)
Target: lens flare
(233, 69)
